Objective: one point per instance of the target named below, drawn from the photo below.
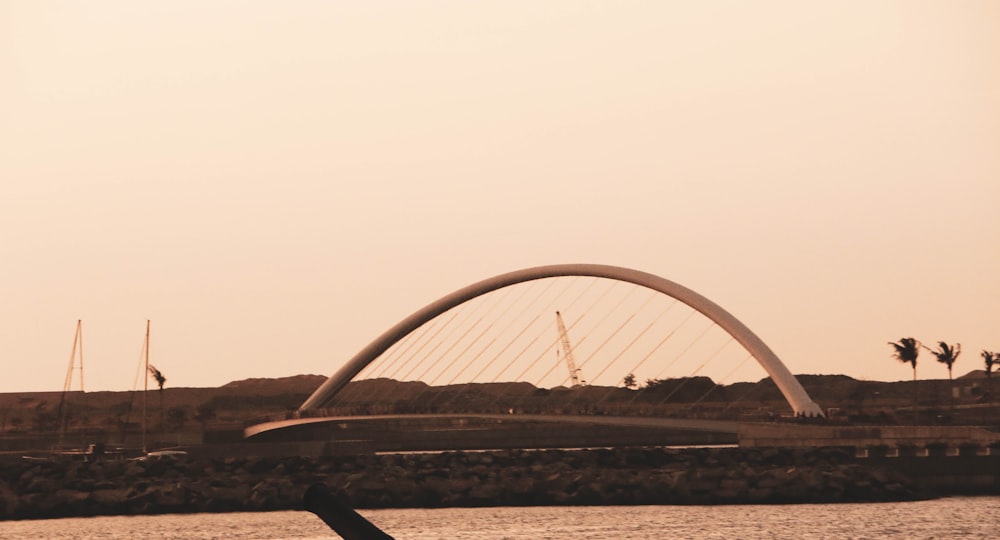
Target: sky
(274, 184)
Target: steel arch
(797, 397)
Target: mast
(145, 386)
(77, 346)
(79, 330)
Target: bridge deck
(717, 426)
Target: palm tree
(946, 354)
(990, 358)
(160, 380)
(906, 351)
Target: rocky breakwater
(32, 490)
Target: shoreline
(604, 477)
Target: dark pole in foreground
(340, 517)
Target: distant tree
(989, 359)
(45, 420)
(160, 381)
(629, 381)
(204, 413)
(158, 376)
(946, 354)
(119, 415)
(176, 417)
(679, 390)
(906, 350)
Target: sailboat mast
(67, 386)
(79, 331)
(145, 387)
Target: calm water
(959, 517)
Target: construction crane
(574, 372)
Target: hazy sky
(274, 184)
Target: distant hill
(974, 374)
(245, 400)
(281, 385)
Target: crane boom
(574, 372)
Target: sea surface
(955, 517)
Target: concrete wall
(798, 435)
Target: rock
(759, 495)
(9, 502)
(112, 500)
(604, 476)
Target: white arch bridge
(413, 357)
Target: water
(957, 517)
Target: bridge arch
(789, 386)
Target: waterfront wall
(31, 490)
(753, 435)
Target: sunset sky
(273, 184)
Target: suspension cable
(517, 300)
(592, 283)
(691, 377)
(722, 380)
(629, 346)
